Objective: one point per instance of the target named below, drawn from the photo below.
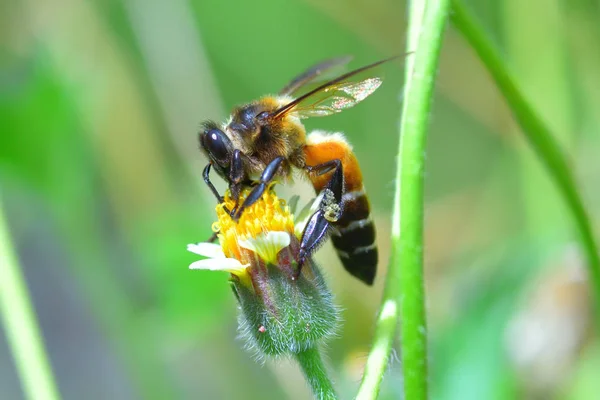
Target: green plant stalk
(377, 360)
(404, 291)
(538, 135)
(315, 373)
(407, 228)
(22, 331)
(387, 322)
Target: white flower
(268, 245)
(216, 260)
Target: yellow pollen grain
(269, 213)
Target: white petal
(210, 250)
(267, 246)
(220, 264)
(278, 239)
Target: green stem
(404, 291)
(377, 361)
(407, 228)
(22, 331)
(538, 135)
(316, 374)
(387, 322)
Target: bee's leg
(353, 235)
(237, 174)
(336, 182)
(213, 238)
(258, 190)
(313, 235)
(206, 175)
(213, 189)
(330, 210)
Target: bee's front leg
(213, 189)
(237, 175)
(330, 210)
(265, 178)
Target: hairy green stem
(404, 291)
(387, 322)
(407, 229)
(538, 135)
(316, 374)
(22, 331)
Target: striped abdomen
(353, 235)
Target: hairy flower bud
(281, 315)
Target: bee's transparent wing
(336, 98)
(317, 73)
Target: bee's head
(252, 122)
(217, 146)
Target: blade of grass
(538, 135)
(22, 331)
(405, 288)
(542, 76)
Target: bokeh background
(100, 177)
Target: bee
(265, 140)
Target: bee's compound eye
(217, 144)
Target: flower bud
(281, 312)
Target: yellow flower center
(268, 214)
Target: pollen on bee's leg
(332, 213)
(331, 210)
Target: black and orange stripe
(353, 235)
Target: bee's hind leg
(336, 182)
(330, 210)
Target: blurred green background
(100, 177)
